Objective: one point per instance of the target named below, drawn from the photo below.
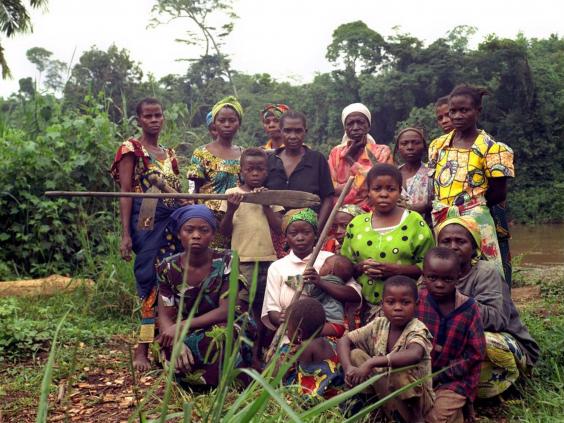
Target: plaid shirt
(458, 340)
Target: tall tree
(199, 12)
(112, 73)
(14, 19)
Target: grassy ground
(92, 378)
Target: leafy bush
(19, 336)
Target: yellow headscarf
(229, 101)
(467, 223)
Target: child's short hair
(146, 100)
(384, 169)
(441, 253)
(402, 281)
(441, 100)
(308, 315)
(340, 266)
(252, 152)
(293, 114)
(475, 93)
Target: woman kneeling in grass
(510, 349)
(206, 273)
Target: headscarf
(351, 209)
(184, 214)
(356, 107)
(228, 101)
(467, 223)
(277, 110)
(307, 215)
(209, 119)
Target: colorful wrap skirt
(504, 361)
(314, 382)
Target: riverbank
(92, 378)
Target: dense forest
(61, 130)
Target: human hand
(125, 247)
(310, 275)
(282, 317)
(403, 202)
(370, 268)
(386, 269)
(166, 337)
(356, 147)
(260, 189)
(185, 360)
(356, 375)
(234, 201)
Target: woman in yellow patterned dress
(470, 169)
(214, 167)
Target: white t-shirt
(278, 294)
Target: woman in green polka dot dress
(388, 241)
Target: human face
(196, 235)
(384, 193)
(356, 126)
(411, 147)
(398, 305)
(293, 132)
(151, 119)
(440, 277)
(443, 118)
(301, 237)
(458, 239)
(463, 113)
(254, 171)
(271, 125)
(227, 123)
(339, 226)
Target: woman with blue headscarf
(200, 275)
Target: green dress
(406, 243)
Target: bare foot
(141, 361)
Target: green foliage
(51, 149)
(19, 336)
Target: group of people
(416, 270)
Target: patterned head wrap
(277, 110)
(184, 214)
(467, 223)
(307, 215)
(351, 209)
(209, 119)
(358, 108)
(229, 101)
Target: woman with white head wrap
(356, 155)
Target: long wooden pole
(279, 335)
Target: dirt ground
(106, 392)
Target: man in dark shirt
(297, 167)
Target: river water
(537, 245)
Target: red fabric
(133, 146)
(338, 328)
